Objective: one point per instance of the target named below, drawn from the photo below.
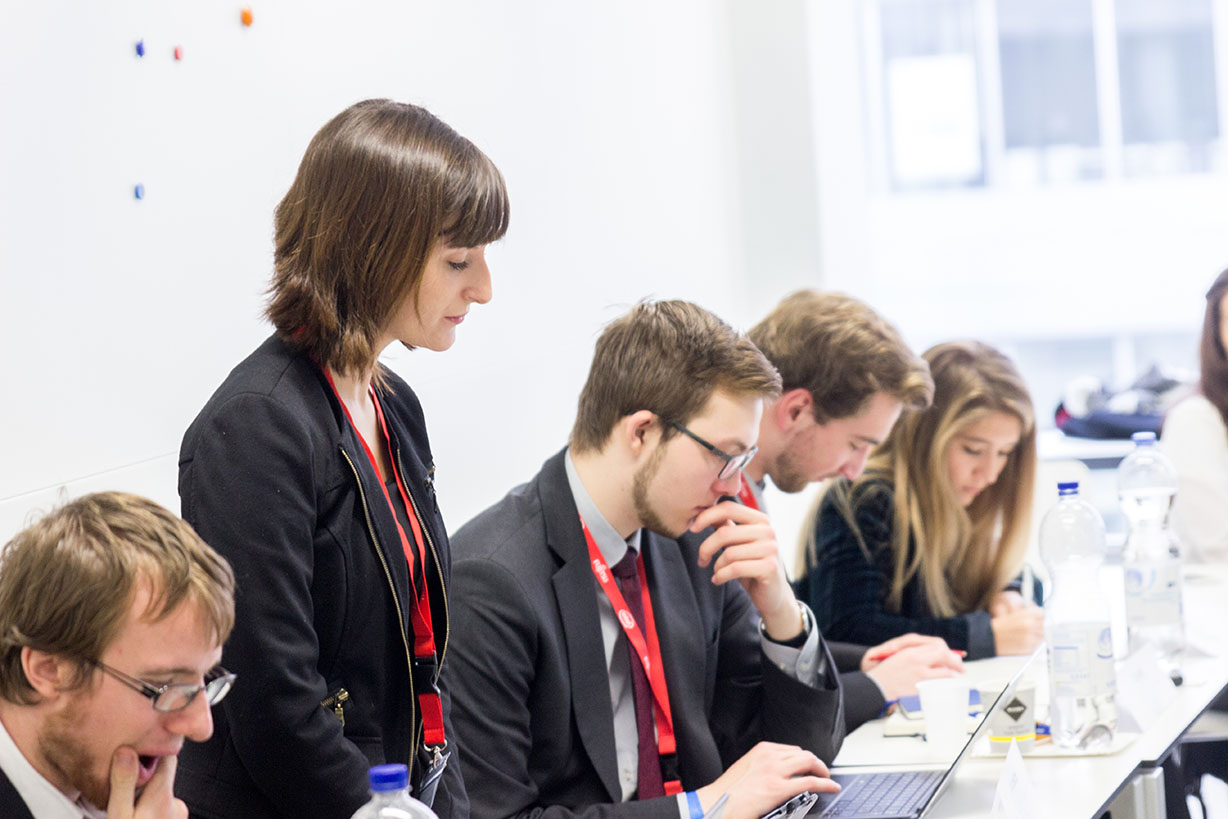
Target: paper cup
(1013, 718)
(944, 702)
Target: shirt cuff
(808, 663)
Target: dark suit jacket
(274, 478)
(863, 699)
(12, 806)
(532, 693)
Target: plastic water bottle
(1146, 484)
(390, 797)
(1082, 681)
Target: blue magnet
(139, 191)
(140, 48)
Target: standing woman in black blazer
(310, 470)
(928, 539)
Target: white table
(1073, 787)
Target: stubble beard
(648, 516)
(65, 752)
(787, 475)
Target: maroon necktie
(651, 783)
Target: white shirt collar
(44, 800)
(609, 542)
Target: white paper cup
(1013, 718)
(944, 703)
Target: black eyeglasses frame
(733, 463)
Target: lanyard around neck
(747, 495)
(648, 650)
(425, 668)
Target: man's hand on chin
(157, 799)
(743, 547)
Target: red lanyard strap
(648, 650)
(746, 495)
(425, 668)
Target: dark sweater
(847, 591)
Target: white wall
(612, 124)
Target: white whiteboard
(119, 317)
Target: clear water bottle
(1082, 681)
(1146, 484)
(390, 797)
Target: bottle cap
(1143, 438)
(392, 777)
(1067, 488)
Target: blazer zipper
(447, 619)
(409, 662)
(337, 703)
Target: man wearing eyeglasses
(632, 645)
(112, 617)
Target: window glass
(1166, 70)
(931, 99)
(1050, 113)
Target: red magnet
(178, 52)
(246, 15)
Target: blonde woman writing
(929, 538)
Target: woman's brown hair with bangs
(379, 186)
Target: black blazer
(532, 689)
(12, 806)
(847, 590)
(863, 699)
(274, 478)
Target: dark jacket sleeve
(848, 656)
(494, 676)
(863, 699)
(847, 588)
(249, 491)
(755, 700)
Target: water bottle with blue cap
(390, 797)
(1146, 485)
(1082, 680)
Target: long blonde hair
(964, 556)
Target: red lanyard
(648, 651)
(747, 496)
(424, 664)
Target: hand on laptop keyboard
(766, 776)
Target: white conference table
(1075, 787)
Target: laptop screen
(982, 727)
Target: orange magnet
(246, 15)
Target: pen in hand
(878, 658)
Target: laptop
(906, 794)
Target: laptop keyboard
(885, 794)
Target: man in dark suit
(554, 712)
(846, 376)
(112, 617)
